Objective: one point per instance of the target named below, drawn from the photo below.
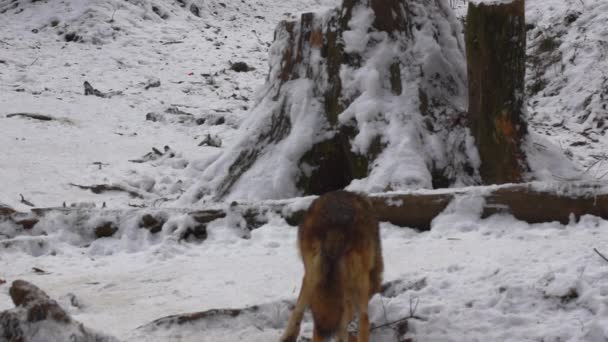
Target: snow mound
(37, 318)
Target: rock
(195, 10)
(106, 229)
(212, 141)
(72, 37)
(241, 67)
(152, 223)
(38, 318)
(6, 210)
(571, 17)
(154, 117)
(198, 232)
(152, 83)
(38, 304)
(27, 224)
(160, 13)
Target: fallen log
(525, 202)
(530, 202)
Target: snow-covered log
(496, 57)
(530, 202)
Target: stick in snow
(600, 254)
(26, 202)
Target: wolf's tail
(339, 216)
(333, 247)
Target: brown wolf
(339, 241)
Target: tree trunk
(496, 50)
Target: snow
(494, 279)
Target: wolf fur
(339, 242)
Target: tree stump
(368, 95)
(496, 51)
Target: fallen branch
(26, 202)
(89, 90)
(397, 321)
(101, 188)
(34, 116)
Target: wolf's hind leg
(293, 325)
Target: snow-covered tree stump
(368, 96)
(496, 51)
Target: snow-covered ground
(468, 279)
(42, 73)
(496, 279)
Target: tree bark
(496, 50)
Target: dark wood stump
(496, 52)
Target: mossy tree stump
(496, 50)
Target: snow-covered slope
(468, 279)
(567, 79)
(128, 46)
(40, 72)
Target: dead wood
(89, 90)
(525, 202)
(34, 116)
(600, 254)
(26, 202)
(101, 188)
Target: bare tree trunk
(496, 47)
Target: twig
(100, 164)
(397, 321)
(413, 311)
(35, 60)
(600, 254)
(592, 165)
(412, 315)
(26, 202)
(603, 175)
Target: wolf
(339, 243)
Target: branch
(32, 116)
(398, 321)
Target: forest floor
(468, 279)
